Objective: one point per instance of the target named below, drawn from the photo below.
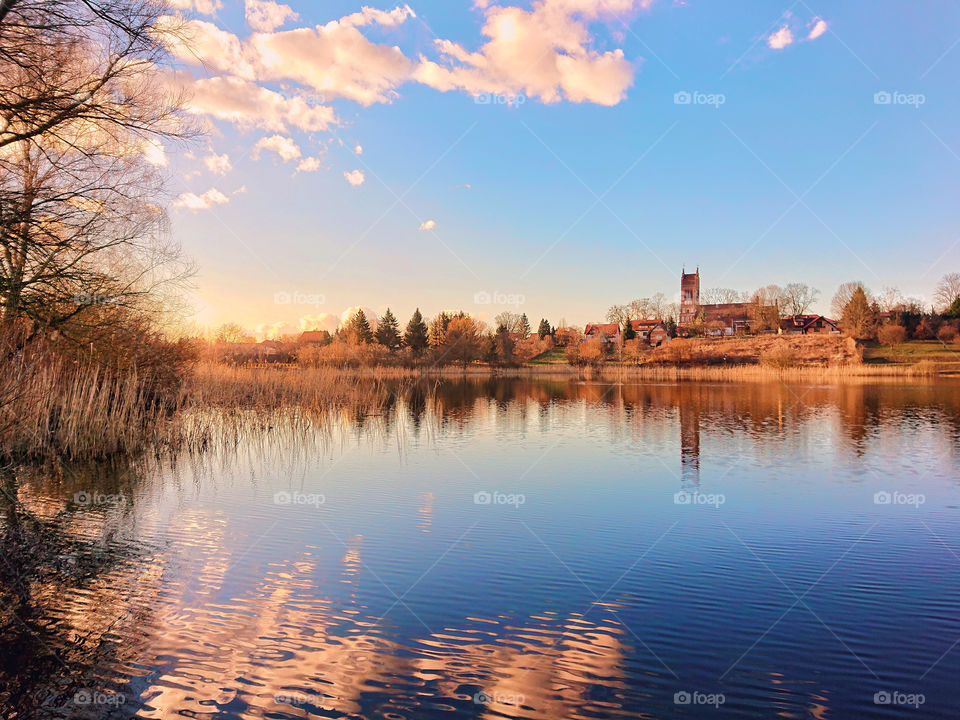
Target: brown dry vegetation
(773, 350)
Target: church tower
(689, 296)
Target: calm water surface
(525, 549)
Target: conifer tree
(628, 332)
(415, 336)
(361, 327)
(524, 328)
(387, 333)
(544, 329)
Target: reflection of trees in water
(69, 566)
(762, 412)
(82, 599)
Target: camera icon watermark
(684, 497)
(297, 698)
(87, 498)
(84, 299)
(895, 97)
(498, 698)
(498, 498)
(695, 97)
(896, 697)
(695, 697)
(483, 297)
(514, 100)
(283, 297)
(896, 497)
(285, 497)
(87, 697)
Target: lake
(505, 548)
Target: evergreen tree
(490, 348)
(544, 329)
(524, 328)
(671, 327)
(361, 327)
(859, 316)
(628, 332)
(438, 329)
(415, 336)
(954, 310)
(387, 333)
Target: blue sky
(592, 190)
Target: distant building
(717, 319)
(689, 296)
(313, 337)
(808, 324)
(653, 332)
(608, 332)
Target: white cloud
(347, 315)
(428, 225)
(267, 16)
(819, 28)
(240, 190)
(355, 177)
(204, 7)
(154, 152)
(248, 105)
(199, 42)
(218, 164)
(335, 60)
(192, 201)
(285, 147)
(781, 38)
(544, 52)
(358, 149)
(321, 321)
(308, 164)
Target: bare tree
(92, 62)
(843, 295)
(720, 296)
(512, 321)
(82, 239)
(767, 302)
(618, 313)
(890, 299)
(947, 290)
(798, 298)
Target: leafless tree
(82, 239)
(843, 295)
(719, 296)
(947, 290)
(618, 313)
(798, 298)
(512, 321)
(768, 302)
(890, 299)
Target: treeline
(451, 338)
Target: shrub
(892, 334)
(947, 334)
(780, 357)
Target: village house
(653, 332)
(808, 324)
(608, 332)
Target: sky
(556, 157)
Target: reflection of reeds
(54, 406)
